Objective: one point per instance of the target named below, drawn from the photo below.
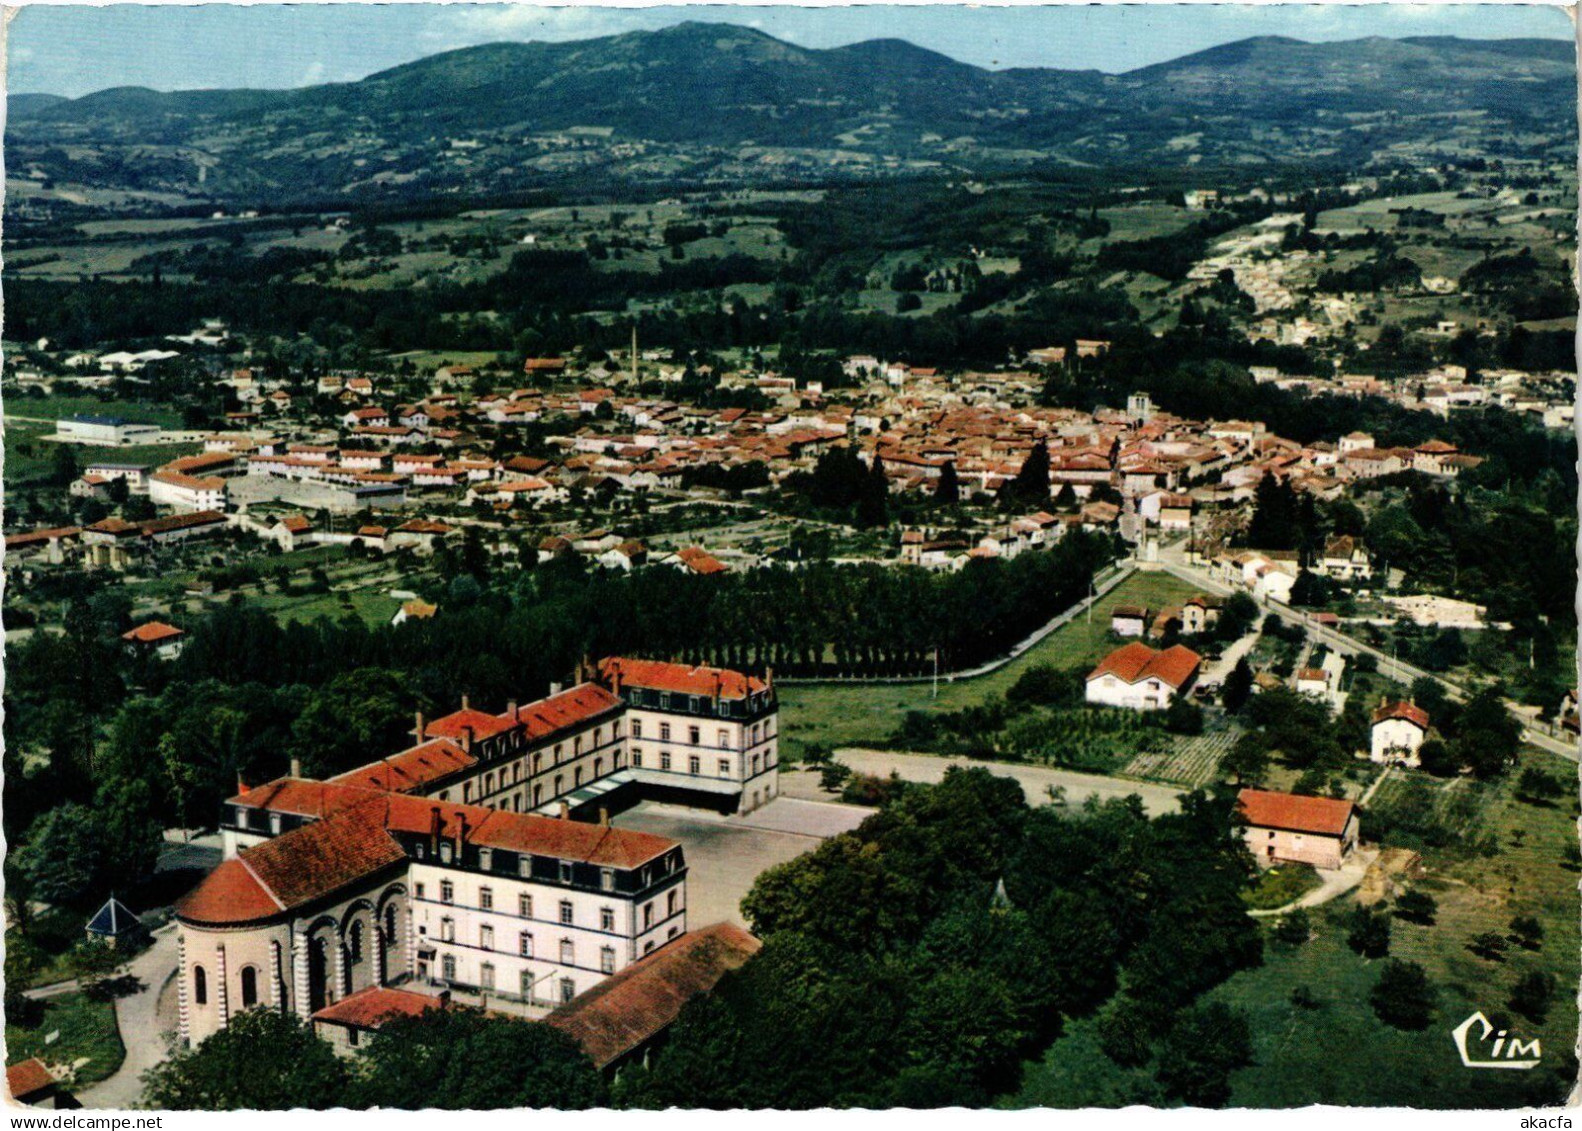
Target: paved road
(1034, 780)
(146, 1030)
(1173, 559)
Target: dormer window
(274, 823)
(444, 852)
(485, 858)
(565, 871)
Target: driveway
(146, 1029)
(1035, 781)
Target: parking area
(726, 854)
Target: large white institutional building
(441, 868)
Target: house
(366, 418)
(414, 610)
(157, 639)
(625, 557)
(1312, 681)
(293, 531)
(1345, 558)
(188, 493)
(1200, 613)
(1289, 828)
(695, 559)
(1398, 732)
(31, 1082)
(1128, 620)
(90, 487)
(1175, 512)
(1137, 677)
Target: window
(417, 890)
(568, 989)
(568, 952)
(607, 959)
(598, 736)
(664, 759)
(694, 764)
(576, 747)
(420, 852)
(447, 930)
(447, 892)
(466, 791)
(648, 947)
(664, 702)
(486, 861)
(444, 851)
(538, 795)
(516, 773)
(558, 747)
(488, 782)
(725, 767)
(565, 912)
(354, 944)
(390, 925)
(693, 736)
(637, 758)
(598, 767)
(353, 1036)
(538, 762)
(486, 976)
(560, 783)
(527, 984)
(637, 728)
(565, 871)
(486, 937)
(606, 918)
(606, 879)
(648, 915)
(274, 822)
(576, 776)
(200, 986)
(617, 759)
(447, 968)
(755, 734)
(722, 739)
(524, 944)
(486, 899)
(670, 904)
(755, 763)
(664, 732)
(524, 906)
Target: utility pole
(936, 671)
(634, 351)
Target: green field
(1339, 1052)
(835, 714)
(56, 406)
(86, 1032)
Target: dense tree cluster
(897, 969)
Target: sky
(74, 49)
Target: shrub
(1403, 996)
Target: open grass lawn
(1339, 1052)
(1280, 885)
(87, 1038)
(372, 607)
(834, 714)
(59, 405)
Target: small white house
(1398, 733)
(1138, 678)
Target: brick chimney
(461, 833)
(465, 704)
(510, 710)
(466, 739)
(417, 730)
(604, 816)
(436, 822)
(241, 786)
(565, 811)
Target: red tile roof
(683, 678)
(572, 708)
(27, 1077)
(456, 724)
(411, 769)
(1411, 712)
(628, 1009)
(1294, 813)
(1136, 662)
(372, 1006)
(326, 856)
(152, 633)
(228, 896)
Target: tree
(1204, 1046)
(1031, 484)
(1531, 994)
(1294, 928)
(948, 492)
(1528, 932)
(1125, 1033)
(460, 1059)
(834, 776)
(1416, 907)
(1403, 997)
(1489, 945)
(1237, 688)
(1183, 716)
(1369, 933)
(263, 1060)
(63, 855)
(62, 465)
(873, 496)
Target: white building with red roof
(1399, 729)
(1137, 677)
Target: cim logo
(1505, 1051)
